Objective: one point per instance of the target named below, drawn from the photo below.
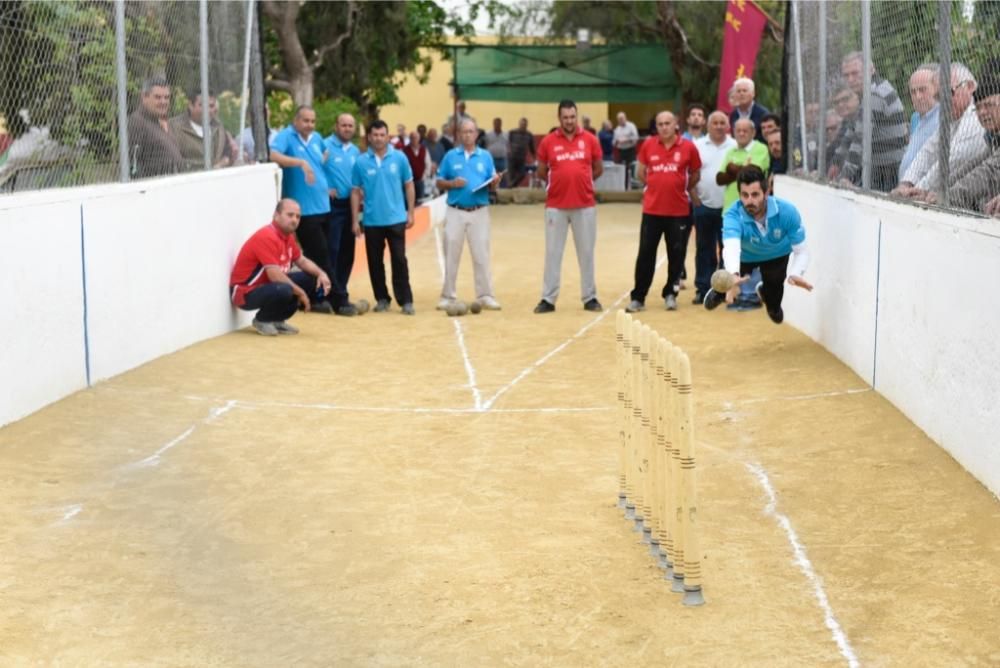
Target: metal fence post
(944, 116)
(258, 114)
(803, 134)
(866, 96)
(121, 74)
(245, 93)
(206, 124)
(821, 122)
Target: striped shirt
(888, 133)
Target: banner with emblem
(741, 37)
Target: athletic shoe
(777, 315)
(635, 306)
(321, 307)
(545, 307)
(713, 299)
(593, 305)
(670, 302)
(698, 298)
(681, 284)
(489, 303)
(284, 328)
(265, 328)
(408, 309)
(347, 310)
(443, 304)
(382, 305)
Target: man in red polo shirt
(260, 278)
(571, 158)
(669, 166)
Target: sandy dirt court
(394, 491)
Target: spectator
(464, 174)
(401, 139)
(694, 123)
(422, 132)
(607, 138)
(626, 138)
(712, 149)
(341, 156)
(152, 145)
(453, 121)
(498, 144)
(768, 124)
(522, 144)
(976, 185)
(380, 178)
(848, 108)
(571, 158)
(260, 280)
(888, 128)
(246, 138)
(926, 112)
(435, 149)
(447, 138)
(300, 152)
(744, 94)
(774, 151)
(588, 127)
(416, 154)
(831, 128)
(967, 140)
(187, 130)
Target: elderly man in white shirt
(968, 143)
(712, 149)
(626, 137)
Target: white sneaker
(284, 328)
(265, 328)
(489, 303)
(443, 304)
(670, 302)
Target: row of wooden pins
(657, 487)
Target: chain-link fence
(898, 97)
(97, 91)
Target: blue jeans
(708, 246)
(276, 301)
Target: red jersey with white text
(570, 161)
(668, 170)
(267, 246)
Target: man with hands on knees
(260, 280)
(760, 232)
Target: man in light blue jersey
(341, 156)
(761, 231)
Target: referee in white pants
(467, 173)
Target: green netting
(635, 73)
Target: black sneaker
(347, 310)
(713, 299)
(777, 315)
(593, 305)
(321, 307)
(381, 306)
(698, 298)
(545, 307)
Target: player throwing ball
(760, 231)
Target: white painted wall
(931, 342)
(157, 256)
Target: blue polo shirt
(382, 182)
(339, 165)
(476, 169)
(314, 199)
(784, 230)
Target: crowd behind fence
(901, 98)
(101, 91)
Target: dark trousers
(773, 273)
(674, 229)
(885, 177)
(312, 234)
(418, 190)
(276, 301)
(517, 171)
(340, 247)
(376, 239)
(708, 246)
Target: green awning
(633, 73)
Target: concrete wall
(905, 297)
(103, 279)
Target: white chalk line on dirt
(477, 398)
(552, 353)
(806, 397)
(802, 561)
(411, 409)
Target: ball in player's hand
(451, 309)
(461, 308)
(475, 307)
(722, 281)
(363, 306)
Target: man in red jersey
(260, 278)
(571, 159)
(670, 167)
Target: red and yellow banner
(740, 42)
